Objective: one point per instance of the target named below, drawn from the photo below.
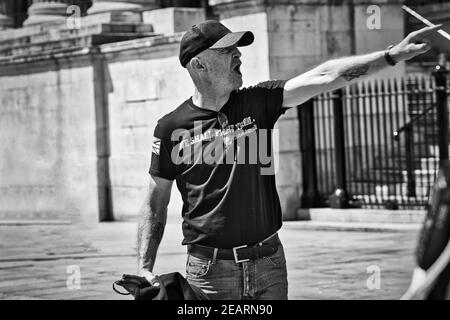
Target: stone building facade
(81, 90)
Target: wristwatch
(388, 57)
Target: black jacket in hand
(172, 286)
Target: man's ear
(197, 65)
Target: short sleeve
(161, 162)
(270, 97)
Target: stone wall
(48, 154)
(77, 121)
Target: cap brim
(242, 38)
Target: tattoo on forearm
(355, 72)
(150, 234)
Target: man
(231, 209)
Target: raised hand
(413, 44)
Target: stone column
(44, 11)
(100, 6)
(6, 20)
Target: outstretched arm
(151, 226)
(337, 73)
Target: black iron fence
(375, 144)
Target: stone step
(72, 43)
(108, 28)
(41, 48)
(87, 30)
(31, 30)
(99, 18)
(350, 215)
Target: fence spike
(362, 90)
(349, 91)
(389, 86)
(356, 89)
(376, 86)
(382, 87)
(369, 87)
(404, 85)
(395, 86)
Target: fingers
(418, 278)
(422, 47)
(153, 281)
(419, 34)
(150, 277)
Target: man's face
(224, 67)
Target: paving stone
(34, 260)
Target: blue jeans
(261, 279)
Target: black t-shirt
(229, 197)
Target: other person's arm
(338, 73)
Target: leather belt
(238, 254)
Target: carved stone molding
(100, 6)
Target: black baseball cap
(210, 34)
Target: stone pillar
(100, 6)
(6, 20)
(172, 20)
(44, 11)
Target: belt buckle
(235, 254)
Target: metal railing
(375, 144)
